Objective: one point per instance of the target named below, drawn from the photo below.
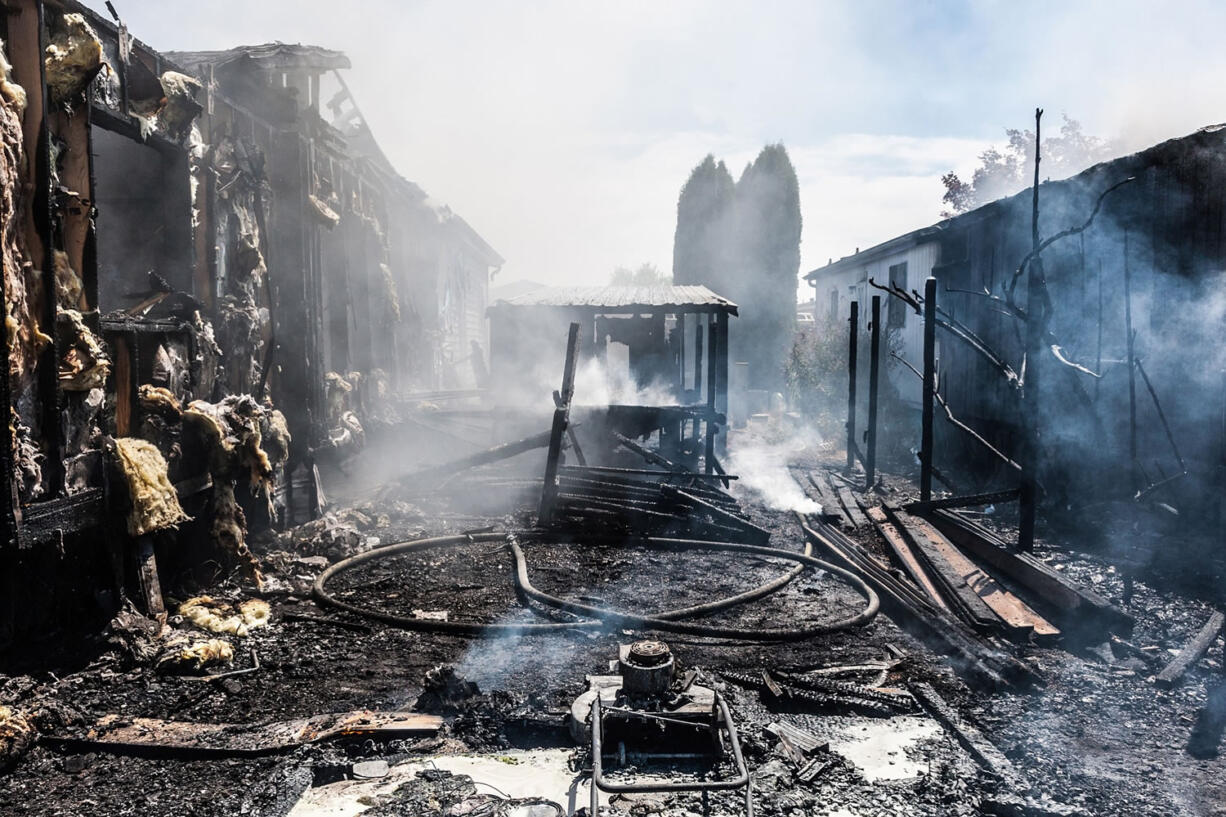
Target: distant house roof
(624, 299)
(277, 56)
(894, 245)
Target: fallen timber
(1192, 652)
(906, 556)
(153, 735)
(953, 584)
(491, 455)
(981, 660)
(1079, 608)
(1019, 619)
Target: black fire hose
(664, 621)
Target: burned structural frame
(1165, 233)
(262, 103)
(637, 316)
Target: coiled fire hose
(666, 621)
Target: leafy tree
(704, 211)
(1005, 172)
(647, 275)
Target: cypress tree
(703, 213)
(767, 257)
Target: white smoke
(762, 466)
(599, 384)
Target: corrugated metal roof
(611, 297)
(273, 55)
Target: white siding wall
(852, 285)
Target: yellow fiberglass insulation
(224, 618)
(232, 430)
(73, 59)
(338, 390)
(69, 289)
(180, 107)
(230, 530)
(26, 340)
(158, 400)
(13, 94)
(155, 505)
(84, 364)
(277, 438)
(17, 735)
(197, 656)
(390, 292)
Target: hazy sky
(563, 131)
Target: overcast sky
(563, 131)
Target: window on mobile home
(897, 309)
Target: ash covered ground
(1095, 735)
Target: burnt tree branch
(949, 415)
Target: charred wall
(205, 287)
(1154, 257)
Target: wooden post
(930, 375)
(721, 373)
(1130, 343)
(1035, 324)
(561, 417)
(854, 323)
(713, 340)
(698, 355)
(874, 372)
(147, 576)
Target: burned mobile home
(213, 277)
(1134, 395)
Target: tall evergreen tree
(743, 241)
(767, 255)
(703, 213)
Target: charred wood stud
(561, 417)
(930, 366)
(1036, 306)
(874, 372)
(854, 328)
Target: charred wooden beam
(853, 323)
(499, 452)
(930, 387)
(561, 418)
(970, 501)
(874, 373)
(646, 453)
(1079, 606)
(753, 533)
(1192, 652)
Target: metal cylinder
(646, 668)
